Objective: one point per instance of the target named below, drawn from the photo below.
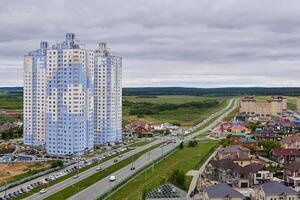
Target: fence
(29, 178)
(122, 183)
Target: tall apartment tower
(69, 98)
(107, 96)
(34, 95)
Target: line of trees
(145, 108)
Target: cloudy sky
(191, 43)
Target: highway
(104, 184)
(69, 182)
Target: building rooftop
(167, 191)
(276, 188)
(222, 190)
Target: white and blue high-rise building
(108, 97)
(72, 97)
(69, 98)
(34, 95)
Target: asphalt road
(69, 182)
(104, 184)
(93, 191)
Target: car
(42, 191)
(76, 176)
(115, 160)
(112, 178)
(10, 195)
(132, 168)
(120, 156)
(98, 168)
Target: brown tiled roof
(291, 139)
(228, 164)
(293, 166)
(284, 152)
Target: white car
(112, 178)
(98, 168)
(76, 176)
(42, 191)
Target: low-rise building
(220, 191)
(226, 171)
(268, 134)
(283, 155)
(275, 191)
(291, 175)
(233, 150)
(291, 142)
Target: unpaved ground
(8, 171)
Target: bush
(177, 178)
(192, 143)
(57, 163)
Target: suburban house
(268, 134)
(291, 142)
(226, 171)
(284, 156)
(232, 150)
(291, 175)
(220, 191)
(247, 142)
(281, 125)
(275, 191)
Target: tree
(192, 143)
(181, 145)
(268, 146)
(177, 178)
(57, 163)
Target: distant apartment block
(71, 97)
(271, 107)
(108, 96)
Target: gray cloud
(195, 43)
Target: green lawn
(174, 99)
(12, 102)
(182, 116)
(292, 101)
(81, 185)
(183, 159)
(140, 143)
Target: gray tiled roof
(276, 188)
(222, 190)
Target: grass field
(292, 101)
(140, 143)
(183, 116)
(11, 102)
(174, 99)
(81, 185)
(183, 159)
